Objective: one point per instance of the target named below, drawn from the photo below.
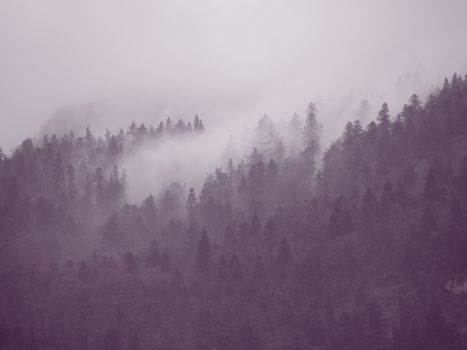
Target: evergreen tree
(112, 234)
(191, 203)
(58, 176)
(383, 116)
(295, 135)
(89, 140)
(198, 124)
(149, 212)
(340, 221)
(71, 181)
(99, 180)
(160, 129)
(271, 170)
(311, 138)
(113, 148)
(204, 255)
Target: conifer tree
(204, 255)
(311, 138)
(191, 203)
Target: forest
(361, 245)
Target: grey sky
(224, 58)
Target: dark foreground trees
(368, 253)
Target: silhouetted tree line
(362, 248)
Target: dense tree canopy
(362, 246)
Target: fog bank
(235, 59)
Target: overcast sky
(230, 59)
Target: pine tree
(89, 140)
(99, 180)
(115, 189)
(266, 136)
(58, 176)
(198, 124)
(149, 212)
(415, 103)
(363, 111)
(383, 116)
(191, 203)
(349, 135)
(160, 130)
(340, 221)
(295, 135)
(112, 234)
(71, 181)
(204, 255)
(384, 123)
(311, 141)
(113, 148)
(168, 126)
(271, 170)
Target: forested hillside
(359, 246)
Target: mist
(231, 60)
(65, 65)
(155, 165)
(253, 175)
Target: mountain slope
(367, 251)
